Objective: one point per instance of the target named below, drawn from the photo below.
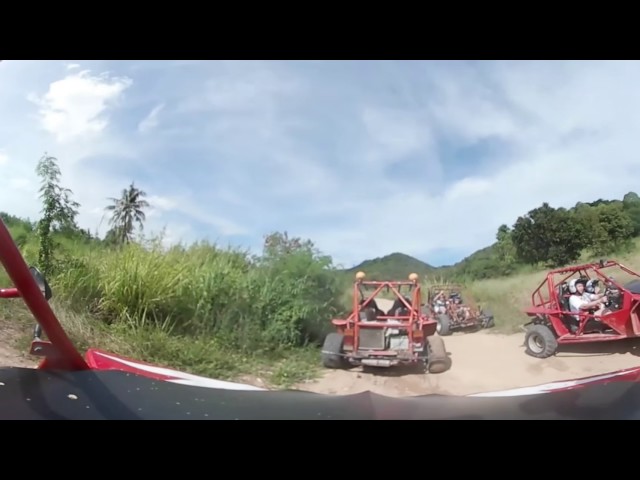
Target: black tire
(540, 342)
(437, 359)
(444, 325)
(488, 322)
(332, 351)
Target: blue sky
(365, 158)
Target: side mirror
(42, 283)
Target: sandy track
(10, 352)
(483, 361)
(9, 358)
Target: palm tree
(127, 210)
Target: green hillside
(543, 237)
(395, 266)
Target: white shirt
(575, 302)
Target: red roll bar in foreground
(61, 354)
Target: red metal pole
(67, 358)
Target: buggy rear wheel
(437, 359)
(333, 352)
(488, 320)
(540, 342)
(444, 325)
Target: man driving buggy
(581, 300)
(439, 303)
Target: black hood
(92, 395)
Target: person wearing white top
(439, 303)
(584, 301)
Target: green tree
(599, 202)
(298, 290)
(59, 210)
(505, 251)
(592, 230)
(631, 205)
(548, 235)
(606, 226)
(277, 244)
(126, 211)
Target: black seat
(563, 297)
(370, 314)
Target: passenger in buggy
(439, 303)
(463, 312)
(583, 301)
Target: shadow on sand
(596, 349)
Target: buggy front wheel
(540, 342)
(437, 359)
(444, 325)
(487, 319)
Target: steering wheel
(613, 295)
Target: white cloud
(75, 106)
(394, 134)
(570, 137)
(160, 204)
(151, 120)
(20, 184)
(224, 226)
(364, 158)
(177, 234)
(468, 189)
(186, 207)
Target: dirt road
(11, 353)
(481, 362)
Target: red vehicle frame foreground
(58, 352)
(105, 386)
(552, 322)
(371, 337)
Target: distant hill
(396, 266)
(480, 264)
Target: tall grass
(204, 291)
(204, 309)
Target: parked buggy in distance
(453, 311)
